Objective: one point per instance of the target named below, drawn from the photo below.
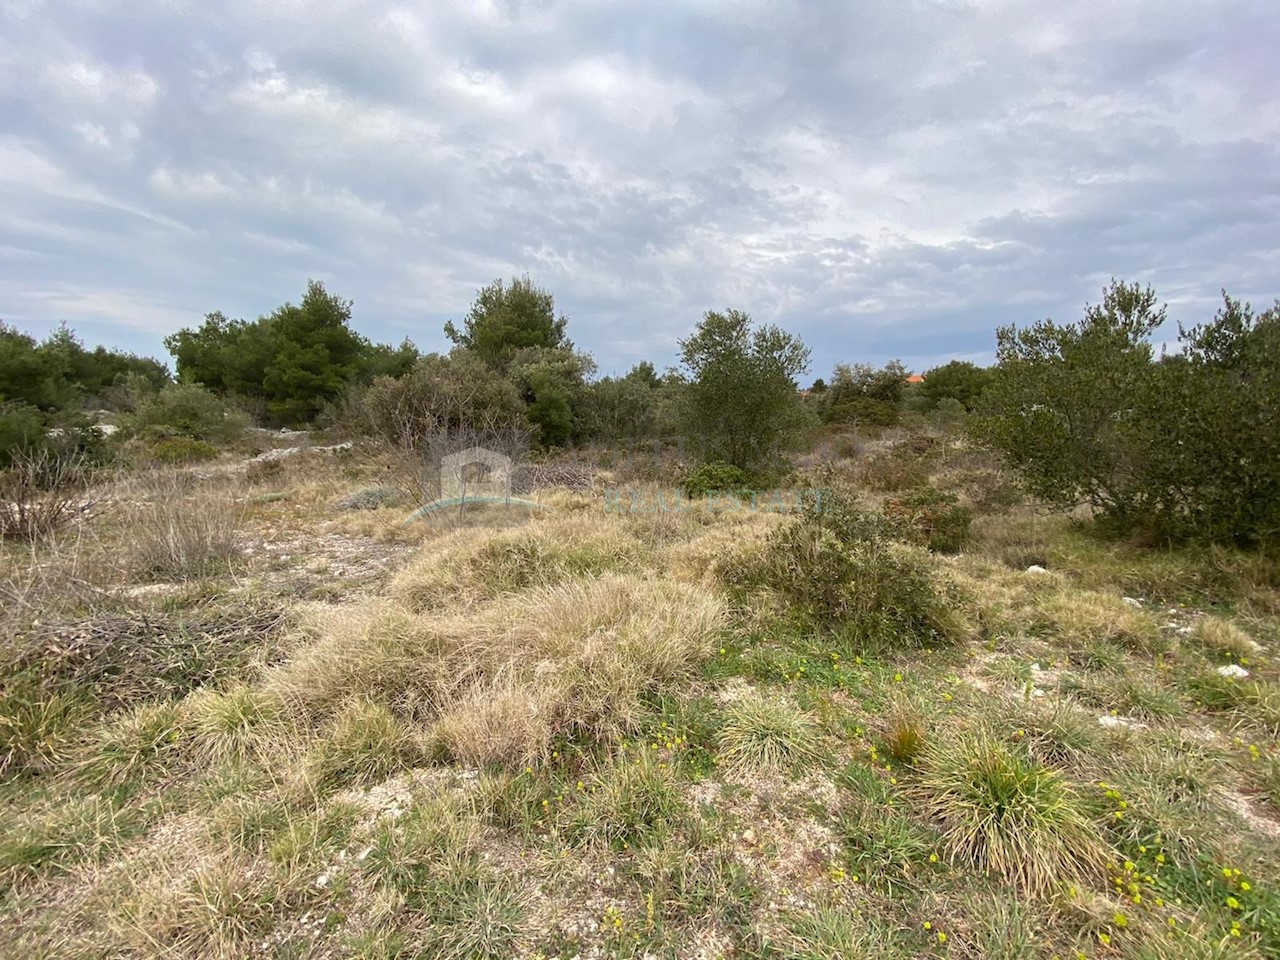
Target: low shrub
(839, 570)
(42, 492)
(932, 518)
(178, 533)
(715, 477)
(185, 410)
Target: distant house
(915, 378)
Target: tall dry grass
(496, 684)
(177, 529)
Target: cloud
(892, 178)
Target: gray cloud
(888, 179)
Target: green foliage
(186, 410)
(957, 380)
(1064, 400)
(742, 405)
(22, 430)
(933, 518)
(715, 477)
(1183, 447)
(552, 383)
(316, 354)
(229, 357)
(839, 570)
(45, 386)
(860, 393)
(1210, 445)
(59, 373)
(507, 318)
(624, 408)
(293, 363)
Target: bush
(186, 410)
(22, 430)
(933, 518)
(178, 450)
(41, 492)
(839, 570)
(178, 533)
(1180, 448)
(715, 477)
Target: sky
(885, 178)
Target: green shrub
(1180, 447)
(934, 519)
(839, 570)
(22, 429)
(715, 477)
(186, 410)
(176, 450)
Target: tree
(317, 354)
(1210, 429)
(292, 363)
(958, 379)
(623, 408)
(1064, 402)
(230, 357)
(384, 360)
(742, 404)
(508, 318)
(553, 383)
(1186, 447)
(861, 393)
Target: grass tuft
(1002, 812)
(766, 733)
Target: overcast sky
(888, 179)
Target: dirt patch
(1248, 811)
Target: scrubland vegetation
(957, 702)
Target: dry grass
(1225, 638)
(1084, 617)
(478, 564)
(575, 659)
(668, 766)
(178, 530)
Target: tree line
(1183, 444)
